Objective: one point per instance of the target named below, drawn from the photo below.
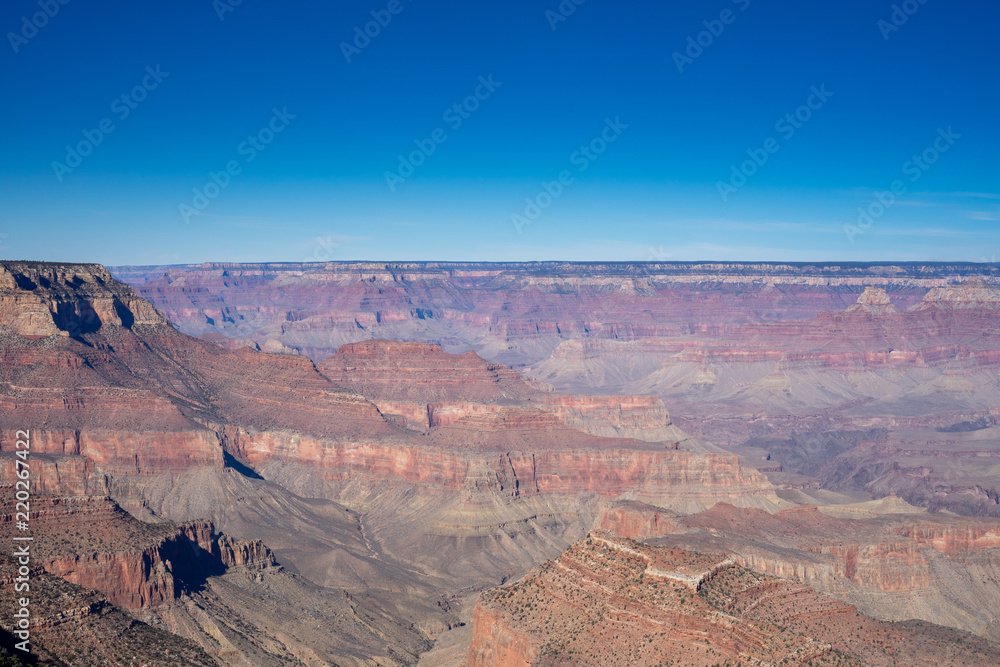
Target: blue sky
(598, 131)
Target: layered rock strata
(633, 604)
(895, 566)
(511, 313)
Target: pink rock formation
(508, 312)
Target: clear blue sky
(320, 188)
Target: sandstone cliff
(74, 625)
(92, 542)
(896, 566)
(633, 604)
(510, 313)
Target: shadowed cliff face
(40, 299)
(229, 597)
(92, 542)
(78, 625)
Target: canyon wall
(511, 313)
(635, 604)
(91, 542)
(893, 566)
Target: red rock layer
(633, 604)
(76, 625)
(92, 542)
(508, 307)
(430, 388)
(420, 373)
(637, 521)
(571, 462)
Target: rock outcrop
(71, 624)
(42, 299)
(91, 542)
(637, 521)
(874, 301)
(895, 566)
(633, 604)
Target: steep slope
(633, 604)
(74, 625)
(229, 596)
(945, 570)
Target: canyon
(511, 313)
(636, 604)
(862, 366)
(457, 463)
(265, 448)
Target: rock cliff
(510, 313)
(633, 604)
(428, 387)
(76, 625)
(92, 542)
(895, 566)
